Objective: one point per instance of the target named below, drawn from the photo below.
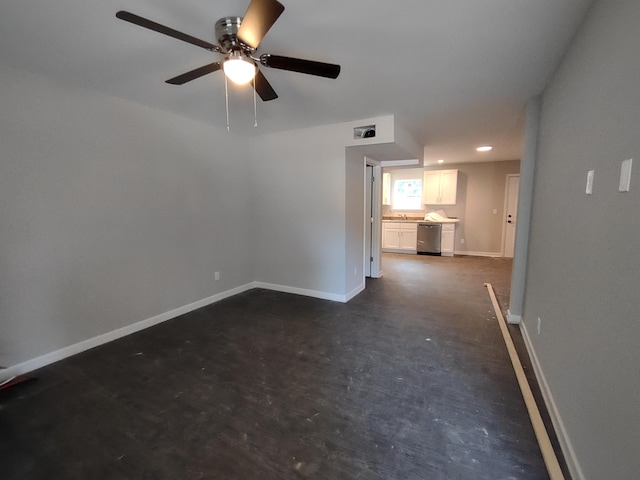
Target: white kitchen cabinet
(431, 188)
(390, 236)
(448, 187)
(409, 237)
(399, 237)
(447, 239)
(386, 189)
(440, 187)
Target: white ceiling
(456, 73)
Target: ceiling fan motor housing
(226, 31)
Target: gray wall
(584, 268)
(481, 189)
(110, 213)
(298, 181)
(113, 213)
(355, 166)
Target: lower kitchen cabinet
(447, 242)
(399, 237)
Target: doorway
(368, 221)
(373, 226)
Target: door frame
(373, 216)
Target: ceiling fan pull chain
(255, 105)
(226, 101)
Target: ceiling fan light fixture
(238, 69)
(238, 39)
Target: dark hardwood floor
(409, 380)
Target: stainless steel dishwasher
(429, 238)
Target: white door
(511, 214)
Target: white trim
(79, 347)
(302, 291)
(399, 163)
(376, 226)
(544, 442)
(561, 432)
(354, 292)
(400, 250)
(479, 254)
(513, 319)
(57, 355)
(367, 240)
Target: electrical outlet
(539, 322)
(625, 175)
(462, 240)
(217, 275)
(590, 175)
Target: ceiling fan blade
(299, 65)
(193, 74)
(156, 27)
(258, 19)
(264, 88)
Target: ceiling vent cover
(368, 131)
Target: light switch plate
(590, 175)
(625, 175)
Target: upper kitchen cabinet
(386, 189)
(440, 187)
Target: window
(407, 194)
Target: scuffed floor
(409, 380)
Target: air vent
(368, 131)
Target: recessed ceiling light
(484, 148)
(441, 161)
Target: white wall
(114, 214)
(583, 274)
(110, 213)
(298, 180)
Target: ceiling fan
(239, 38)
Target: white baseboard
(478, 254)
(51, 357)
(398, 250)
(513, 319)
(561, 432)
(355, 292)
(303, 291)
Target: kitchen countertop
(412, 220)
(392, 219)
